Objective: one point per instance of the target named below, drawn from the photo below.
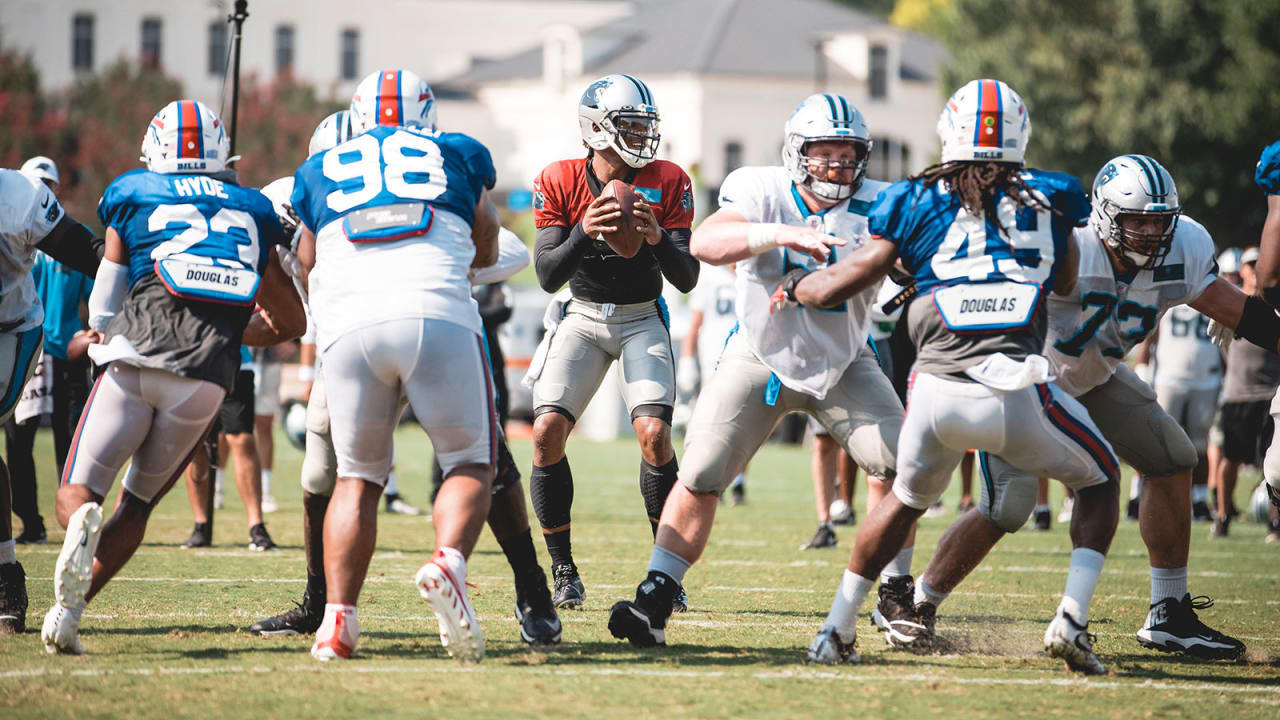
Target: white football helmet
(1132, 186)
(618, 111)
(278, 192)
(825, 117)
(1229, 261)
(331, 132)
(41, 168)
(986, 121)
(186, 137)
(392, 97)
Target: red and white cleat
(459, 630)
(338, 634)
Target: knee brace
(551, 488)
(1008, 495)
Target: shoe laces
(1200, 602)
(564, 573)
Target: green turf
(160, 644)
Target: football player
(391, 222)
(539, 624)
(616, 312)
(775, 222)
(188, 253)
(985, 238)
(1267, 176)
(1139, 256)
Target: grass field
(166, 638)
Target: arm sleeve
(73, 245)
(557, 252)
(109, 291)
(677, 265)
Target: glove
(1143, 371)
(1221, 335)
(784, 296)
(687, 374)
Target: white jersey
(808, 349)
(28, 213)
(1092, 330)
(1185, 357)
(714, 296)
(355, 285)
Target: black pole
(238, 17)
(210, 481)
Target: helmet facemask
(1140, 248)
(634, 135)
(821, 184)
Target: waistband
(613, 313)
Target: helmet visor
(637, 133)
(1146, 233)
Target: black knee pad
(656, 484)
(551, 488)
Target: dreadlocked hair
(975, 184)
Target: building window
(890, 160)
(82, 42)
(217, 48)
(151, 42)
(878, 77)
(350, 60)
(732, 156)
(284, 49)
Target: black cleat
(539, 623)
(1172, 626)
(13, 599)
(33, 534)
(259, 539)
(1200, 512)
(644, 622)
(680, 603)
(199, 537)
(1221, 527)
(1042, 519)
(304, 619)
(570, 593)
(1131, 513)
(738, 494)
(895, 615)
(825, 537)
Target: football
(625, 240)
(80, 342)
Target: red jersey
(561, 194)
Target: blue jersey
(162, 215)
(418, 170)
(62, 290)
(940, 243)
(1267, 174)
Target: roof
(727, 37)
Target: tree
(276, 123)
(1189, 82)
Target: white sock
(217, 479)
(266, 481)
(924, 593)
(7, 554)
(454, 562)
(1082, 580)
(350, 623)
(668, 563)
(900, 564)
(1168, 583)
(1199, 493)
(850, 595)
(392, 488)
(1135, 486)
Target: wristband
(306, 373)
(762, 237)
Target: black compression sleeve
(1259, 324)
(677, 265)
(557, 252)
(74, 245)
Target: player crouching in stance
(391, 222)
(984, 239)
(775, 222)
(616, 312)
(1138, 257)
(188, 253)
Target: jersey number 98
(407, 165)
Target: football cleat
(825, 537)
(1172, 626)
(397, 505)
(841, 513)
(680, 603)
(304, 619)
(459, 630)
(1068, 507)
(1221, 527)
(539, 623)
(644, 622)
(569, 592)
(895, 615)
(61, 631)
(337, 637)
(1131, 511)
(1200, 511)
(74, 571)
(13, 599)
(32, 534)
(199, 537)
(828, 648)
(936, 510)
(1069, 640)
(259, 540)
(738, 494)
(1042, 519)
(269, 504)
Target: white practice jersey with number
(1092, 330)
(715, 296)
(28, 213)
(808, 349)
(1185, 357)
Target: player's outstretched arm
(727, 237)
(1250, 317)
(860, 270)
(73, 245)
(1268, 267)
(282, 317)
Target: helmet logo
(591, 98)
(1108, 174)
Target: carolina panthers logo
(686, 200)
(539, 201)
(54, 211)
(1106, 175)
(591, 98)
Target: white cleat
(1071, 641)
(828, 648)
(459, 630)
(74, 571)
(336, 638)
(61, 631)
(269, 504)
